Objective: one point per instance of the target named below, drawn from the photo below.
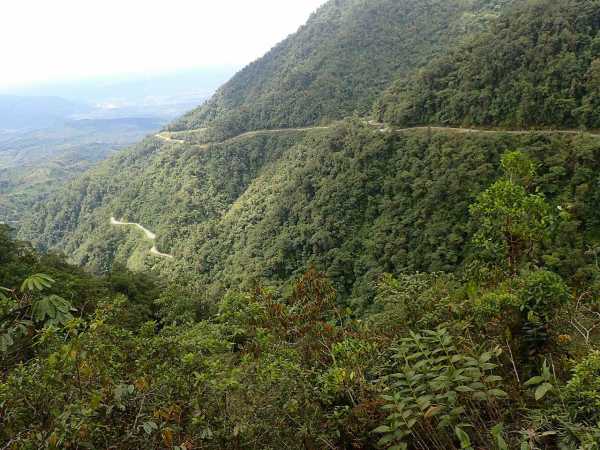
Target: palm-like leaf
(36, 282)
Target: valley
(382, 234)
(34, 162)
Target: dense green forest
(351, 201)
(35, 162)
(357, 285)
(499, 354)
(337, 64)
(537, 67)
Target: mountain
(337, 64)
(183, 191)
(538, 67)
(425, 277)
(346, 197)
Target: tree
(511, 220)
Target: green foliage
(267, 207)
(496, 305)
(542, 293)
(21, 313)
(312, 266)
(582, 392)
(414, 302)
(535, 67)
(36, 282)
(511, 221)
(496, 432)
(518, 168)
(260, 370)
(200, 384)
(524, 308)
(564, 417)
(436, 389)
(542, 383)
(336, 65)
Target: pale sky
(56, 40)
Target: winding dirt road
(383, 128)
(165, 136)
(481, 131)
(149, 235)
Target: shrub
(582, 392)
(435, 390)
(541, 294)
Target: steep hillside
(537, 67)
(162, 185)
(337, 64)
(353, 201)
(353, 285)
(357, 203)
(340, 61)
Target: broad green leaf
(498, 393)
(497, 434)
(463, 437)
(149, 427)
(542, 390)
(492, 378)
(485, 357)
(464, 389)
(36, 282)
(535, 380)
(386, 439)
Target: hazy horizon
(107, 80)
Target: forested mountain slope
(353, 201)
(337, 64)
(347, 54)
(359, 286)
(357, 203)
(161, 185)
(537, 67)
